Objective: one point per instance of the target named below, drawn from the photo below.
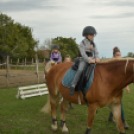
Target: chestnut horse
(109, 79)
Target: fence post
(25, 63)
(32, 63)
(17, 63)
(7, 63)
(11, 60)
(37, 68)
(32, 60)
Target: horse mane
(49, 65)
(113, 60)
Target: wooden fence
(32, 90)
(13, 78)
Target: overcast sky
(113, 20)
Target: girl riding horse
(55, 55)
(89, 54)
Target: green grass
(19, 116)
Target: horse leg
(54, 101)
(116, 110)
(63, 123)
(91, 114)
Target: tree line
(130, 54)
(18, 40)
(68, 46)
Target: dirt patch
(20, 78)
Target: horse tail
(47, 108)
(51, 99)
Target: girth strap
(84, 97)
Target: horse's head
(48, 65)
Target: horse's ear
(44, 63)
(52, 64)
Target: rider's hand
(97, 60)
(92, 61)
(127, 90)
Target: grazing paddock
(19, 116)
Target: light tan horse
(109, 80)
(47, 108)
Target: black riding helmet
(89, 30)
(56, 47)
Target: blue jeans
(122, 112)
(82, 65)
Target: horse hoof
(54, 127)
(65, 130)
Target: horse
(46, 109)
(110, 78)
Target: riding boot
(126, 126)
(72, 90)
(75, 81)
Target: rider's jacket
(56, 57)
(88, 51)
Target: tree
(130, 54)
(15, 38)
(48, 44)
(67, 46)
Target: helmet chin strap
(88, 39)
(91, 41)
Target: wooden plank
(33, 91)
(26, 96)
(33, 86)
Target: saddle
(85, 75)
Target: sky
(113, 20)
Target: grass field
(24, 116)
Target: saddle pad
(69, 76)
